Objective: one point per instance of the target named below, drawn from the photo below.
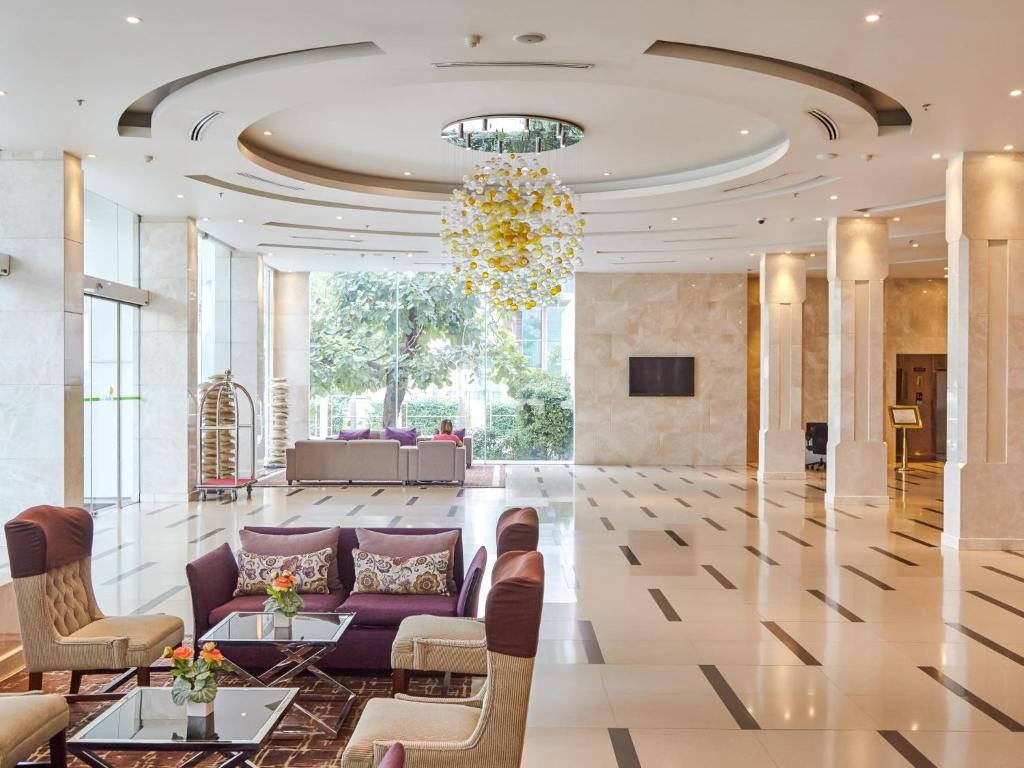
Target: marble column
(984, 473)
(169, 367)
(291, 347)
(858, 263)
(41, 351)
(781, 436)
(246, 344)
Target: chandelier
(513, 232)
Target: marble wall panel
(41, 412)
(619, 316)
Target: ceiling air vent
(830, 125)
(540, 64)
(271, 182)
(200, 127)
(748, 185)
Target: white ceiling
(345, 128)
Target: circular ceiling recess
(512, 133)
(388, 137)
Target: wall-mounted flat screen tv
(661, 377)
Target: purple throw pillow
(354, 434)
(403, 436)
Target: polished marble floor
(692, 617)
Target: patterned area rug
(310, 752)
(477, 476)
(486, 476)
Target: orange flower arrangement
(283, 597)
(195, 679)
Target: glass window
(111, 249)
(409, 350)
(214, 307)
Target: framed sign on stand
(904, 417)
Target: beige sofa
(374, 461)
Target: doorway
(921, 381)
(111, 392)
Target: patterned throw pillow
(413, 575)
(256, 571)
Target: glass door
(111, 392)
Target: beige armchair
(456, 645)
(29, 722)
(485, 730)
(439, 461)
(62, 627)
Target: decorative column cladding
(984, 477)
(858, 263)
(291, 347)
(41, 371)
(247, 338)
(169, 370)
(781, 437)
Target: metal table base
(299, 658)
(232, 759)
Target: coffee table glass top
(306, 628)
(147, 716)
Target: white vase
(198, 708)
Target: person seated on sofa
(445, 433)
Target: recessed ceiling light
(270, 254)
(751, 254)
(1016, 92)
(895, 218)
(241, 221)
(788, 251)
(817, 218)
(1008, 148)
(206, 218)
(407, 173)
(268, 133)
(409, 255)
(675, 218)
(3, 93)
(352, 236)
(744, 132)
(179, 196)
(530, 38)
(867, 215)
(133, 19)
(91, 156)
(936, 156)
(833, 197)
(871, 18)
(607, 173)
(914, 244)
(339, 218)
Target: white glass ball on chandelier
(513, 232)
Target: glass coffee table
(147, 720)
(310, 638)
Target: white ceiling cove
(324, 145)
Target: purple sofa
(366, 644)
